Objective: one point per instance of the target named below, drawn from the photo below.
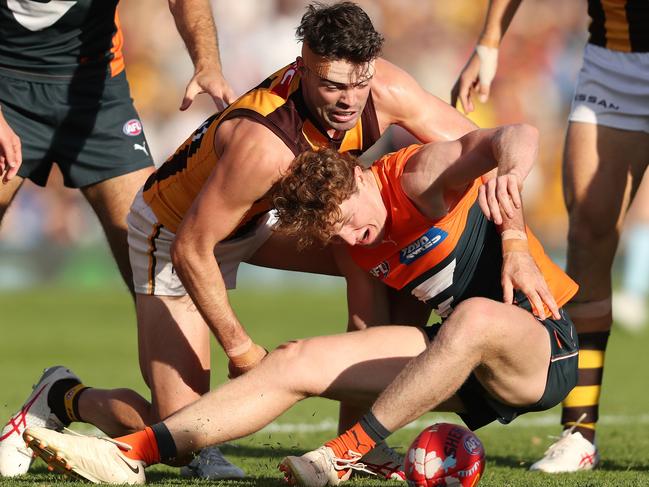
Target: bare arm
(196, 26)
(480, 69)
(439, 174)
(447, 168)
(10, 151)
(251, 160)
(400, 100)
(367, 299)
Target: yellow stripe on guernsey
(616, 25)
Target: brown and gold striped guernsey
(619, 25)
(276, 103)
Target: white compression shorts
(613, 89)
(150, 244)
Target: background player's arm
(400, 100)
(196, 26)
(10, 151)
(480, 69)
(245, 171)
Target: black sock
(374, 428)
(166, 443)
(56, 399)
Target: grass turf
(93, 332)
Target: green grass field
(93, 332)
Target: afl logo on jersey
(132, 128)
(424, 244)
(381, 271)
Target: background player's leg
(602, 170)
(8, 193)
(111, 200)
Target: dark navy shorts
(482, 408)
(87, 126)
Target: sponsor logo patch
(132, 128)
(594, 100)
(424, 244)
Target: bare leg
(8, 193)
(111, 200)
(174, 351)
(353, 367)
(506, 346)
(174, 356)
(603, 168)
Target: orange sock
(355, 439)
(144, 446)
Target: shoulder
(248, 146)
(390, 81)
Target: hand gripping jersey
(60, 37)
(619, 25)
(276, 103)
(445, 261)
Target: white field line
(331, 424)
(529, 421)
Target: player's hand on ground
(211, 82)
(240, 364)
(521, 272)
(475, 78)
(10, 151)
(500, 194)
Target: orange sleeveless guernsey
(444, 261)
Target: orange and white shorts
(150, 245)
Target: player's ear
(358, 174)
(299, 61)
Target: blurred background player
(65, 100)
(606, 154)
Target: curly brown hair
(308, 196)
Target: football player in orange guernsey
(436, 220)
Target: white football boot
(98, 460)
(320, 467)
(385, 462)
(210, 464)
(570, 453)
(15, 456)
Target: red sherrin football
(445, 454)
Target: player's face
(363, 216)
(337, 105)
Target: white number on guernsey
(36, 16)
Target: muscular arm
(445, 169)
(437, 176)
(196, 26)
(400, 100)
(250, 162)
